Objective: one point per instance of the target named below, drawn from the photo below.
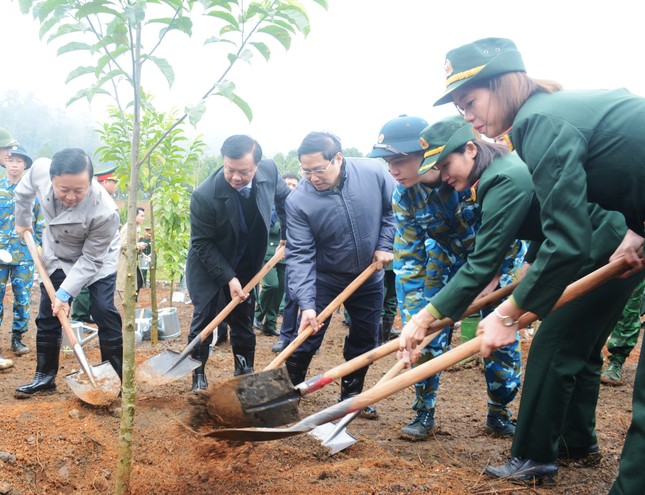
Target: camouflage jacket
(435, 232)
(9, 239)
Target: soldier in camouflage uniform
(624, 338)
(20, 270)
(435, 232)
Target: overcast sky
(364, 62)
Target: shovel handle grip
(369, 357)
(221, 316)
(324, 314)
(386, 388)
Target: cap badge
(447, 67)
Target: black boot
(386, 329)
(352, 385)
(199, 374)
(47, 354)
(112, 351)
(297, 369)
(17, 346)
(244, 359)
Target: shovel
(171, 365)
(269, 398)
(416, 374)
(97, 385)
(335, 435)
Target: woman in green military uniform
(579, 146)
(566, 351)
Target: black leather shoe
(42, 382)
(581, 456)
(199, 382)
(522, 469)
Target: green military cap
(478, 61)
(6, 140)
(105, 174)
(399, 136)
(19, 150)
(442, 138)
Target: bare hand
(235, 287)
(308, 318)
(495, 334)
(383, 258)
(631, 248)
(21, 230)
(412, 335)
(60, 308)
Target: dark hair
(486, 153)
(140, 208)
(238, 145)
(71, 161)
(320, 142)
(290, 175)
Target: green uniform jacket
(510, 211)
(579, 146)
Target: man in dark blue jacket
(339, 220)
(230, 214)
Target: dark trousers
(631, 475)
(364, 306)
(289, 328)
(239, 320)
(103, 309)
(562, 378)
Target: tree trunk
(154, 330)
(124, 461)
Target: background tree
(111, 34)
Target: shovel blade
(108, 385)
(165, 368)
(340, 442)
(263, 399)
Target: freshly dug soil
(55, 444)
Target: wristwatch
(507, 321)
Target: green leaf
(244, 106)
(215, 39)
(297, 17)
(165, 68)
(322, 3)
(25, 5)
(226, 88)
(279, 34)
(196, 112)
(136, 12)
(262, 48)
(44, 9)
(95, 9)
(73, 46)
(226, 17)
(246, 55)
(79, 71)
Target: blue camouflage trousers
(502, 371)
(22, 278)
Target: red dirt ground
(55, 444)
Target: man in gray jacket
(80, 249)
(339, 220)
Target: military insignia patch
(447, 67)
(424, 144)
(381, 138)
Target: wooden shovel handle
(369, 357)
(221, 316)
(470, 348)
(49, 287)
(324, 314)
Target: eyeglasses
(389, 148)
(319, 172)
(241, 173)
